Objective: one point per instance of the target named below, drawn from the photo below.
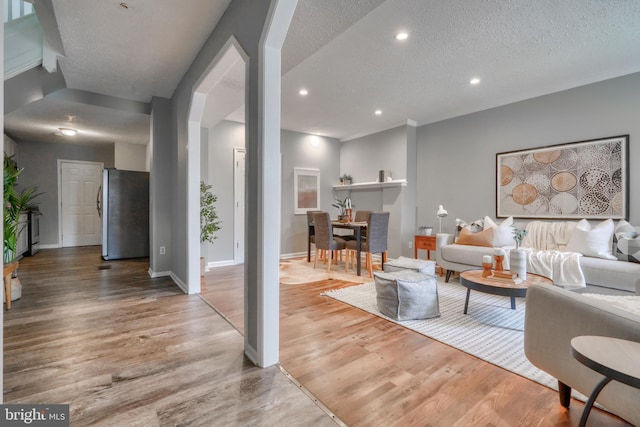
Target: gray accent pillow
(626, 242)
(407, 295)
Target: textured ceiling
(345, 54)
(133, 53)
(520, 49)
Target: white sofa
(608, 273)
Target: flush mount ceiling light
(303, 92)
(378, 112)
(68, 131)
(474, 81)
(402, 36)
(124, 5)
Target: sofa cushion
(611, 273)
(464, 254)
(592, 241)
(481, 238)
(626, 242)
(503, 233)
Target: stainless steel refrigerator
(123, 203)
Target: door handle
(99, 201)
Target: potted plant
(14, 203)
(342, 205)
(209, 223)
(346, 179)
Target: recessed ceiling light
(378, 112)
(68, 131)
(402, 36)
(303, 92)
(474, 81)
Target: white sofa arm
(442, 239)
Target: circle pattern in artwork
(563, 204)
(564, 181)
(547, 157)
(594, 179)
(616, 178)
(616, 203)
(539, 181)
(567, 160)
(506, 175)
(594, 203)
(531, 165)
(594, 156)
(523, 194)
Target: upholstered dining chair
(376, 242)
(325, 240)
(311, 231)
(361, 216)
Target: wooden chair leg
(315, 258)
(330, 255)
(369, 264)
(346, 260)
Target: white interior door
(238, 203)
(79, 185)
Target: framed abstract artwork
(585, 179)
(306, 190)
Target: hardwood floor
(126, 350)
(371, 372)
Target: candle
(486, 259)
(499, 252)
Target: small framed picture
(306, 190)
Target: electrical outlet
(163, 250)
(410, 244)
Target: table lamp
(441, 213)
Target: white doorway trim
(60, 211)
(239, 205)
(217, 69)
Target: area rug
(491, 331)
(298, 271)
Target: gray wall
(393, 150)
(40, 163)
(362, 158)
(456, 157)
(162, 184)
(220, 143)
(298, 150)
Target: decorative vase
(518, 263)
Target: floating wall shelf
(372, 185)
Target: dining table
(356, 227)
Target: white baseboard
(180, 283)
(154, 274)
(215, 264)
(50, 246)
(295, 255)
(251, 353)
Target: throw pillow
(503, 233)
(475, 226)
(592, 241)
(481, 238)
(626, 242)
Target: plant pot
(518, 263)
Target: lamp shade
(441, 212)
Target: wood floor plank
(371, 372)
(124, 349)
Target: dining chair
(376, 241)
(361, 216)
(325, 240)
(311, 232)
